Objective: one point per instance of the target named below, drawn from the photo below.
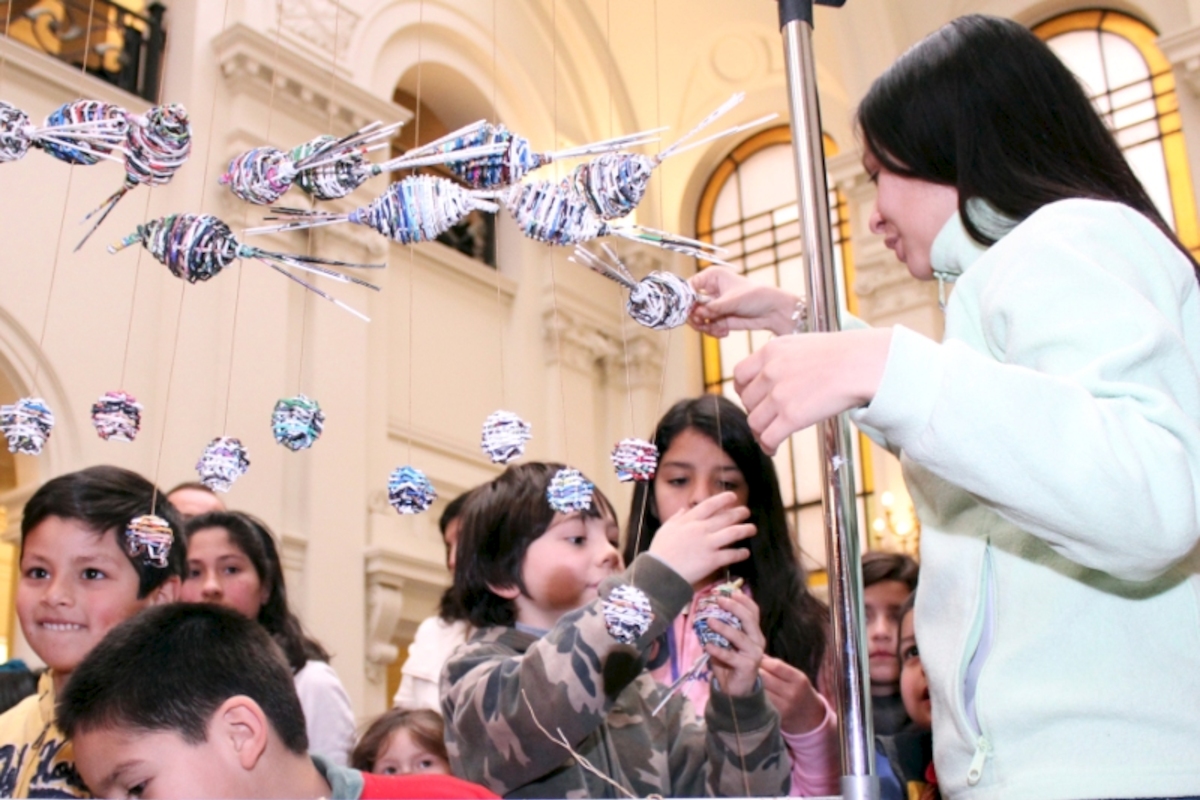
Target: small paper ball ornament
(661, 300)
(222, 463)
(409, 491)
(26, 424)
(706, 610)
(117, 417)
(15, 127)
(149, 537)
(297, 422)
(635, 460)
(569, 491)
(627, 613)
(504, 436)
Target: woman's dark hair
(500, 521)
(985, 106)
(794, 622)
(170, 667)
(254, 539)
(426, 728)
(107, 499)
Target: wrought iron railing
(108, 40)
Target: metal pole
(859, 781)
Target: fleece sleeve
(1070, 408)
(494, 703)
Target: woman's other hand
(800, 708)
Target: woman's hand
(732, 302)
(736, 667)
(795, 381)
(696, 542)
(791, 692)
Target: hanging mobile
(569, 491)
(552, 213)
(81, 132)
(223, 461)
(661, 300)
(297, 422)
(196, 247)
(515, 159)
(419, 208)
(504, 436)
(409, 491)
(328, 168)
(635, 460)
(706, 610)
(26, 424)
(150, 537)
(117, 417)
(156, 146)
(614, 183)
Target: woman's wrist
(785, 308)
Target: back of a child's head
(501, 519)
(17, 682)
(426, 727)
(171, 667)
(104, 499)
(878, 566)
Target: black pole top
(792, 10)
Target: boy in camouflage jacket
(534, 663)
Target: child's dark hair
(254, 539)
(107, 498)
(985, 106)
(878, 566)
(171, 667)
(448, 608)
(426, 728)
(794, 622)
(17, 682)
(501, 520)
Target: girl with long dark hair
(706, 447)
(233, 561)
(1050, 442)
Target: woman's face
(219, 572)
(693, 469)
(909, 213)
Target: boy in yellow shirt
(82, 572)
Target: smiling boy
(77, 581)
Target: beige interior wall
(450, 340)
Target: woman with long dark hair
(1050, 441)
(233, 561)
(706, 447)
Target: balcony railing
(108, 40)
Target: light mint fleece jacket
(1051, 444)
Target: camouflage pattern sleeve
(569, 676)
(746, 751)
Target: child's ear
(506, 592)
(167, 593)
(240, 727)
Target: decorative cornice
(1183, 51)
(322, 24)
(254, 64)
(574, 341)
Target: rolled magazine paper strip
(156, 146)
(197, 247)
(504, 436)
(297, 422)
(409, 491)
(26, 424)
(569, 491)
(117, 417)
(627, 613)
(149, 537)
(224, 461)
(635, 460)
(81, 132)
(708, 610)
(661, 300)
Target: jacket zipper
(979, 647)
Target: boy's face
(119, 762)
(75, 585)
(883, 601)
(564, 567)
(914, 688)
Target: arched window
(1131, 84)
(749, 207)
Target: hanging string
(212, 110)
(412, 250)
(562, 388)
(500, 315)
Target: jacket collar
(954, 250)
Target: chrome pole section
(859, 781)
